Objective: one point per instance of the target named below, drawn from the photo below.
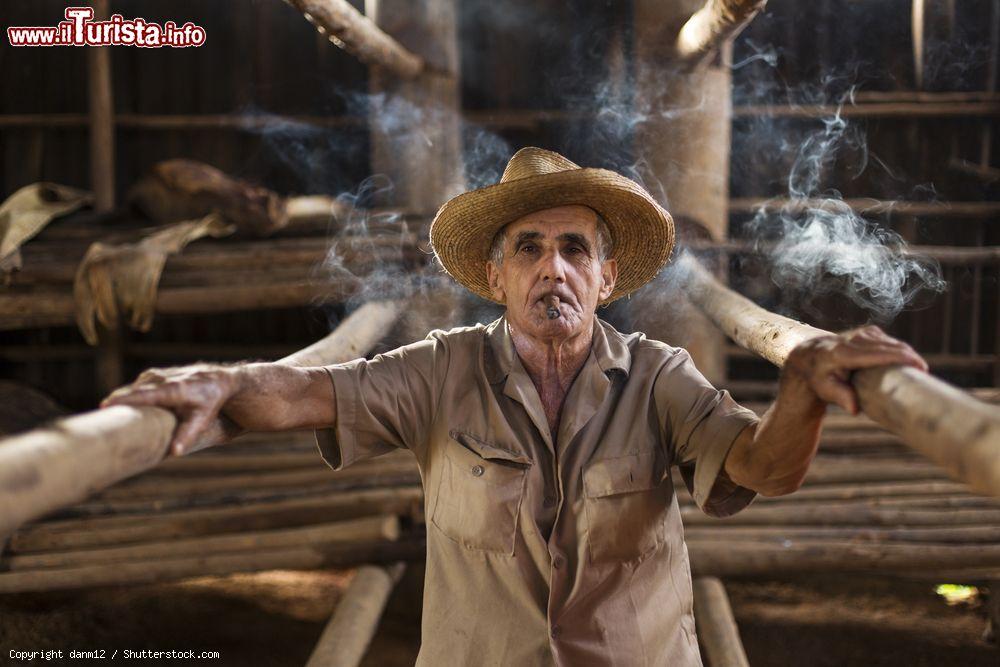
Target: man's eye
(529, 248)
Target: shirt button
(556, 630)
(558, 561)
(478, 471)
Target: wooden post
(684, 145)
(932, 21)
(945, 424)
(346, 637)
(416, 129)
(717, 631)
(53, 467)
(416, 125)
(102, 119)
(110, 359)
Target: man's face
(551, 260)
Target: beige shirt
(539, 552)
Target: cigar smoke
(552, 307)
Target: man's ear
(495, 281)
(609, 272)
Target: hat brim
(642, 232)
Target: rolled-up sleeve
(385, 403)
(700, 426)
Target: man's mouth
(551, 306)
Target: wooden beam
(352, 31)
(717, 22)
(268, 514)
(53, 467)
(871, 110)
(867, 206)
(346, 637)
(727, 557)
(367, 529)
(144, 571)
(718, 633)
(945, 424)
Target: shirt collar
(608, 347)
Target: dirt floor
(274, 618)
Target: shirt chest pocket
(479, 494)
(626, 506)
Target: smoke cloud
(817, 244)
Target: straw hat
(642, 233)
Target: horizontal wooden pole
(99, 506)
(985, 534)
(846, 514)
(870, 110)
(946, 425)
(351, 30)
(729, 557)
(368, 529)
(270, 514)
(346, 638)
(143, 571)
(867, 206)
(62, 464)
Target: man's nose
(554, 267)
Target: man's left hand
(825, 363)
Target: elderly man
(545, 439)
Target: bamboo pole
(729, 557)
(346, 637)
(949, 427)
(716, 23)
(985, 534)
(349, 29)
(368, 529)
(56, 466)
(93, 532)
(717, 630)
(867, 206)
(845, 514)
(144, 571)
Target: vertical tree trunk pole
(109, 361)
(684, 145)
(102, 120)
(416, 129)
(717, 631)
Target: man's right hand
(254, 396)
(195, 394)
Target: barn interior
(835, 162)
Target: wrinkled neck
(552, 362)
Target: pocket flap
(624, 474)
(489, 451)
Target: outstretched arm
(256, 397)
(773, 457)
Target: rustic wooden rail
(717, 22)
(53, 467)
(945, 424)
(351, 30)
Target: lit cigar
(552, 306)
